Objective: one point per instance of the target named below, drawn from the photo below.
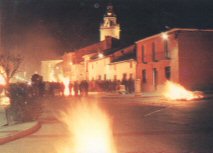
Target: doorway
(155, 78)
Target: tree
(9, 65)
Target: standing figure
(76, 88)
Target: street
(138, 127)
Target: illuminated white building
(99, 69)
(122, 69)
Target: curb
(20, 134)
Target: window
(130, 64)
(166, 49)
(86, 66)
(153, 52)
(144, 80)
(124, 76)
(155, 78)
(115, 77)
(143, 54)
(131, 76)
(114, 67)
(168, 72)
(99, 77)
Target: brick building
(180, 55)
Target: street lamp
(100, 55)
(164, 36)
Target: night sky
(58, 26)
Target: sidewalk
(13, 132)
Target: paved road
(180, 127)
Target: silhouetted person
(84, 87)
(76, 88)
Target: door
(155, 78)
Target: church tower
(109, 27)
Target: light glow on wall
(164, 36)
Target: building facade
(123, 70)
(179, 55)
(116, 64)
(183, 56)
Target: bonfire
(89, 129)
(174, 91)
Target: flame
(72, 91)
(175, 91)
(66, 83)
(2, 80)
(89, 128)
(4, 100)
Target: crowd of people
(81, 88)
(76, 88)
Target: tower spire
(109, 26)
(110, 11)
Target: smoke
(35, 43)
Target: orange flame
(2, 80)
(4, 100)
(175, 91)
(72, 91)
(66, 83)
(89, 128)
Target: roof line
(173, 30)
(131, 59)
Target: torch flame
(66, 83)
(72, 91)
(90, 129)
(175, 91)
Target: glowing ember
(90, 130)
(175, 91)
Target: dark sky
(74, 23)
(55, 26)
